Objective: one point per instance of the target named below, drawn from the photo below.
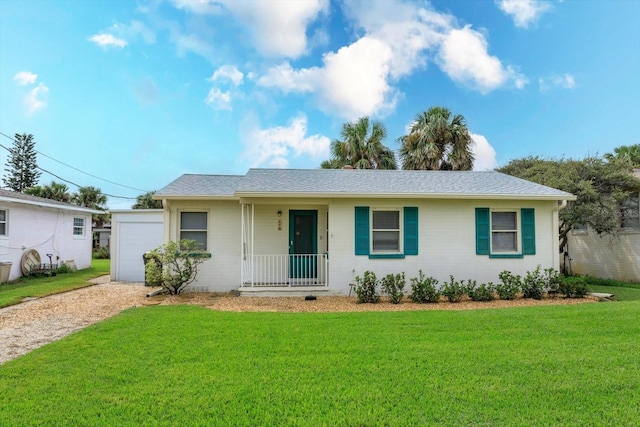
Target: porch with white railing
(300, 270)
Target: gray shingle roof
(202, 185)
(16, 197)
(356, 182)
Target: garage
(133, 232)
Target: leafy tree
(437, 141)
(92, 197)
(630, 153)
(146, 201)
(54, 191)
(22, 168)
(600, 185)
(173, 266)
(361, 146)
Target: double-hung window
(193, 226)
(386, 232)
(630, 213)
(78, 227)
(505, 233)
(3, 222)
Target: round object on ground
(30, 260)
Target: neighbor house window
(193, 226)
(78, 227)
(3, 222)
(630, 213)
(504, 232)
(386, 233)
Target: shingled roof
(27, 199)
(356, 183)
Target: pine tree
(22, 168)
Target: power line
(81, 171)
(70, 182)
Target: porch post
(253, 221)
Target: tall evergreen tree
(22, 168)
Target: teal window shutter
(411, 231)
(483, 231)
(528, 220)
(362, 230)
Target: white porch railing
(285, 270)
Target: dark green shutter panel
(362, 230)
(528, 231)
(483, 232)
(411, 231)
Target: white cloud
(105, 41)
(33, 100)
(218, 99)
(464, 57)
(485, 155)
(278, 29)
(227, 73)
(564, 81)
(24, 78)
(398, 39)
(273, 146)
(524, 12)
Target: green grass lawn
(186, 365)
(14, 292)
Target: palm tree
(54, 191)
(146, 201)
(437, 141)
(92, 197)
(361, 146)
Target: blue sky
(140, 92)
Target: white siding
(607, 257)
(47, 230)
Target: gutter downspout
(555, 246)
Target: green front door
(303, 244)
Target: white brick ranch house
(314, 230)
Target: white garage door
(134, 239)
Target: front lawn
(15, 292)
(187, 365)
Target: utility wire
(81, 171)
(70, 182)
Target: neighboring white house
(610, 257)
(315, 230)
(134, 232)
(48, 226)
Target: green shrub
(484, 292)
(510, 286)
(453, 290)
(63, 269)
(533, 284)
(366, 288)
(576, 287)
(423, 289)
(552, 279)
(101, 253)
(174, 265)
(393, 285)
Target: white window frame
(79, 227)
(191, 230)
(636, 208)
(400, 231)
(517, 231)
(5, 222)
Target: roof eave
(467, 196)
(50, 205)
